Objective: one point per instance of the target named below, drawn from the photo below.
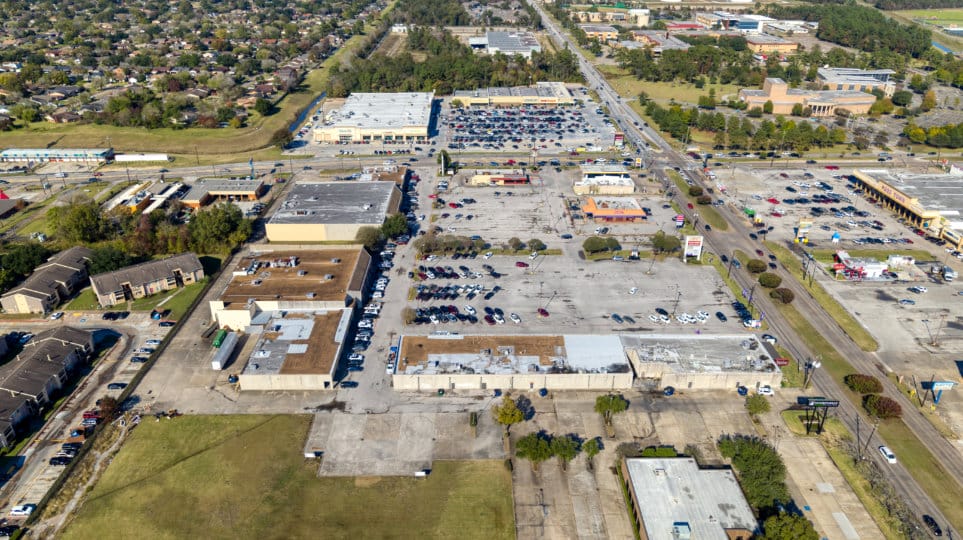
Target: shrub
(703, 199)
(863, 384)
(882, 406)
(756, 266)
(762, 474)
(695, 191)
(786, 296)
(660, 451)
(757, 404)
(769, 280)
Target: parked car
(22, 510)
(349, 384)
(521, 264)
(932, 525)
(765, 390)
(138, 359)
(117, 386)
(56, 315)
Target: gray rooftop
(604, 168)
(145, 272)
(854, 75)
(674, 494)
(702, 353)
(513, 42)
(215, 185)
(942, 193)
(383, 110)
(541, 89)
(337, 202)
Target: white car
(498, 318)
(356, 357)
(377, 294)
(655, 318)
(56, 315)
(488, 255)
(390, 368)
(765, 390)
(918, 289)
(470, 310)
(888, 454)
(633, 290)
(515, 318)
(533, 255)
(22, 510)
(153, 342)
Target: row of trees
(701, 61)
(946, 136)
(447, 65)
(372, 237)
(740, 133)
(542, 446)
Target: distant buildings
(766, 45)
(820, 103)
(50, 284)
(659, 41)
(390, 117)
(145, 279)
(601, 32)
(332, 211)
(32, 380)
(852, 79)
(45, 155)
(632, 17)
(507, 43)
(544, 94)
(208, 191)
(604, 179)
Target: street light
(811, 367)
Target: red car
(542, 312)
(690, 206)
(773, 200)
(832, 168)
(759, 252)
(521, 264)
(433, 196)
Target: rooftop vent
(310, 295)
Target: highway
(736, 238)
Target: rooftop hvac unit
(328, 277)
(310, 295)
(335, 260)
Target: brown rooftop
(415, 349)
(286, 283)
(322, 349)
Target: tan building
(513, 177)
(295, 351)
(604, 179)
(400, 117)
(50, 284)
(147, 278)
(332, 211)
(543, 94)
(325, 278)
(205, 192)
(463, 362)
(769, 45)
(820, 102)
(633, 17)
(601, 32)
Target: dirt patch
(366, 481)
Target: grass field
(245, 477)
(935, 16)
(628, 86)
(177, 300)
(843, 318)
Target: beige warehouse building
(332, 211)
(820, 102)
(390, 117)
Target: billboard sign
(823, 403)
(693, 247)
(943, 385)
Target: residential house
(145, 279)
(50, 284)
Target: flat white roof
(383, 110)
(675, 496)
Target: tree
(882, 406)
(610, 405)
(108, 259)
(662, 242)
(703, 199)
(536, 245)
(786, 296)
(929, 101)
(109, 408)
(394, 225)
(695, 191)
(508, 413)
(762, 474)
(754, 112)
(797, 109)
(756, 266)
(757, 404)
(786, 526)
(767, 107)
(591, 447)
(769, 280)
(281, 137)
(863, 384)
(515, 243)
(369, 237)
(565, 449)
(593, 244)
(902, 98)
(534, 447)
(81, 221)
(218, 229)
(263, 106)
(21, 259)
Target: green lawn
(935, 16)
(245, 477)
(707, 213)
(177, 300)
(84, 301)
(628, 86)
(843, 318)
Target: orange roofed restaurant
(613, 209)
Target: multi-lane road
(736, 238)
